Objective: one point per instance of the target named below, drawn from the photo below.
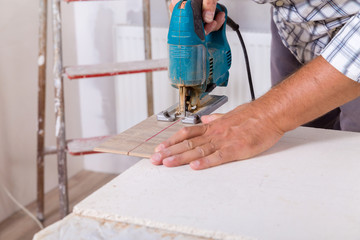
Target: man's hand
(239, 134)
(209, 7)
(253, 128)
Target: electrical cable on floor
(21, 206)
(235, 27)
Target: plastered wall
(248, 14)
(18, 102)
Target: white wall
(18, 102)
(248, 14)
(94, 26)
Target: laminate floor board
(141, 140)
(21, 227)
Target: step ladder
(79, 146)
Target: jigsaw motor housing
(196, 60)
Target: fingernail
(160, 147)
(155, 158)
(209, 16)
(195, 164)
(169, 159)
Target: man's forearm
(314, 90)
(253, 128)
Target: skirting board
(306, 187)
(141, 140)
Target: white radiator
(131, 105)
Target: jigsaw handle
(197, 15)
(196, 6)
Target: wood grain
(141, 140)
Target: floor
(21, 227)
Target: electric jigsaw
(197, 63)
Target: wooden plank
(141, 140)
(147, 148)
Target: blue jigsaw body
(197, 61)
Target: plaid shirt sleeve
(264, 1)
(343, 51)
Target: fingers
(215, 24)
(219, 19)
(237, 135)
(209, 161)
(209, 7)
(189, 156)
(181, 135)
(208, 14)
(184, 146)
(172, 4)
(171, 7)
(218, 157)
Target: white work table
(306, 187)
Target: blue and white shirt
(330, 28)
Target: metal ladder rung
(112, 69)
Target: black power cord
(235, 27)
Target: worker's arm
(254, 127)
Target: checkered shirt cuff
(343, 51)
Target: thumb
(209, 118)
(172, 4)
(209, 7)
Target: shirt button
(279, 3)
